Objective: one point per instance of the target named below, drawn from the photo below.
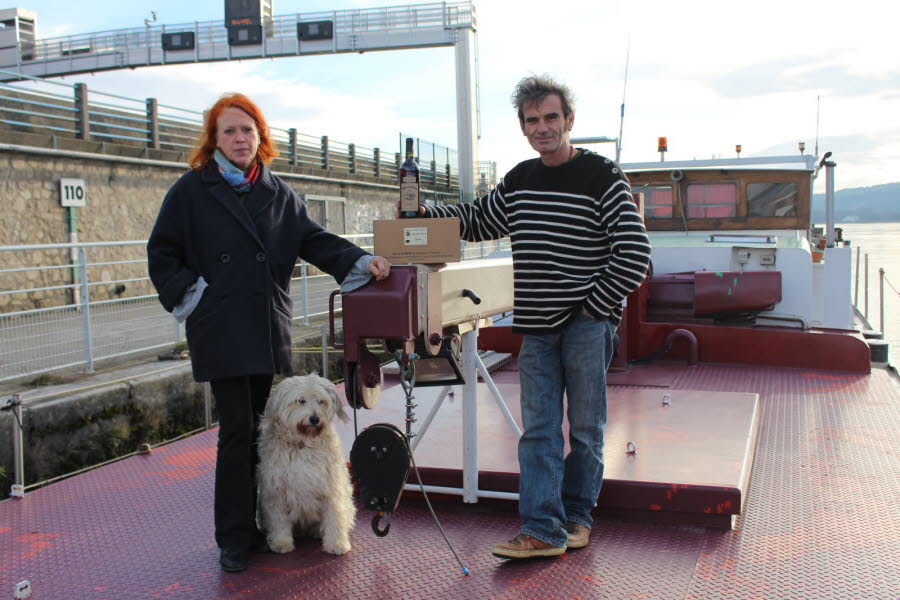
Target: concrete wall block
(171, 402)
(66, 433)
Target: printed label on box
(415, 236)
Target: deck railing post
(86, 313)
(856, 282)
(866, 287)
(881, 299)
(377, 159)
(14, 403)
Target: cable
(408, 382)
(465, 571)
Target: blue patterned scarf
(236, 178)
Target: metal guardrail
(144, 125)
(101, 305)
(882, 278)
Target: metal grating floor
(821, 522)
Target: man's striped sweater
(578, 241)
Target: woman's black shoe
(232, 561)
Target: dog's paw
(281, 545)
(336, 547)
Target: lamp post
(148, 22)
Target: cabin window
(711, 200)
(777, 199)
(657, 201)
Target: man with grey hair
(579, 247)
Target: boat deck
(820, 520)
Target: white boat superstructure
(752, 214)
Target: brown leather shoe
(578, 535)
(525, 546)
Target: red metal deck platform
(693, 448)
(819, 521)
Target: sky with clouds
(707, 75)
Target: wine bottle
(409, 184)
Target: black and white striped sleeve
(481, 220)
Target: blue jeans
(554, 489)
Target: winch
(420, 311)
(426, 317)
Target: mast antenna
(622, 108)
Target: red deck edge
(685, 503)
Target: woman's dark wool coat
(246, 252)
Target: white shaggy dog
(304, 484)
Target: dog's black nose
(314, 420)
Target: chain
(891, 285)
(408, 382)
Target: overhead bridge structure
(342, 31)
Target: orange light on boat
(662, 145)
(737, 148)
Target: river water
(881, 241)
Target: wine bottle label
(409, 196)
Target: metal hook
(387, 524)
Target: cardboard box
(425, 241)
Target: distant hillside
(875, 204)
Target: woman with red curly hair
(221, 256)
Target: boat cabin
(742, 216)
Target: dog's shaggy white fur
(304, 484)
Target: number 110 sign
(72, 192)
